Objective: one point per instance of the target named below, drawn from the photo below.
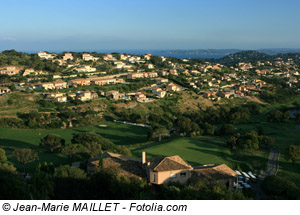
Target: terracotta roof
(126, 165)
(167, 163)
(216, 172)
(119, 156)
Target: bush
(227, 129)
(280, 188)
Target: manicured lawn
(207, 150)
(119, 134)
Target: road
(272, 168)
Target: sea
(165, 54)
(142, 52)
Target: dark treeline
(67, 182)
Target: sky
(91, 25)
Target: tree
(25, 156)
(67, 171)
(209, 129)
(101, 163)
(9, 101)
(267, 141)
(3, 157)
(70, 151)
(7, 167)
(85, 138)
(232, 142)
(52, 142)
(185, 125)
(93, 149)
(45, 167)
(11, 186)
(227, 129)
(12, 87)
(280, 188)
(292, 153)
(41, 186)
(122, 150)
(160, 133)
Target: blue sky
(33, 25)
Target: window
(173, 175)
(183, 174)
(153, 177)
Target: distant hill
(252, 56)
(278, 51)
(203, 51)
(244, 56)
(273, 51)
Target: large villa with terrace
(161, 170)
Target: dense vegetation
(67, 182)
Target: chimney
(143, 158)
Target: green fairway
(207, 150)
(285, 134)
(119, 134)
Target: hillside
(244, 56)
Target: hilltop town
(213, 81)
(197, 119)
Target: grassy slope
(118, 133)
(206, 150)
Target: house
(61, 99)
(59, 62)
(28, 72)
(219, 173)
(46, 86)
(68, 56)
(72, 95)
(103, 81)
(60, 84)
(147, 56)
(173, 72)
(209, 94)
(85, 68)
(109, 57)
(119, 64)
(45, 55)
(195, 72)
(10, 70)
(140, 96)
(4, 90)
(159, 92)
(125, 165)
(162, 73)
(86, 96)
(152, 74)
(136, 75)
(53, 95)
(225, 95)
(239, 93)
(79, 82)
(88, 57)
(172, 87)
(149, 66)
(115, 95)
(161, 170)
(215, 67)
(160, 81)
